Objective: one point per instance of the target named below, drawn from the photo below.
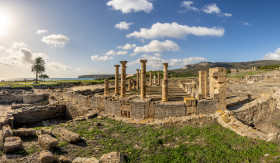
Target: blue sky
(88, 37)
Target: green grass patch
(139, 143)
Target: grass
(211, 143)
(246, 73)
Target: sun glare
(5, 23)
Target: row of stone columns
(140, 80)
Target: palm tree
(38, 67)
(44, 76)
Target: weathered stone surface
(24, 132)
(66, 135)
(63, 159)
(113, 157)
(47, 142)
(85, 160)
(13, 143)
(44, 131)
(1, 140)
(46, 157)
(7, 131)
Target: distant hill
(192, 69)
(96, 76)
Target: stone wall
(258, 109)
(31, 98)
(10, 98)
(38, 113)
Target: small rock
(85, 160)
(91, 115)
(114, 157)
(7, 131)
(46, 157)
(265, 155)
(63, 159)
(47, 142)
(24, 132)
(13, 143)
(44, 131)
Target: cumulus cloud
(127, 46)
(272, 55)
(58, 66)
(187, 5)
(100, 58)
(175, 30)
(156, 61)
(246, 24)
(127, 6)
(41, 31)
(214, 9)
(56, 40)
(18, 45)
(156, 46)
(112, 53)
(123, 25)
(27, 55)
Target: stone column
(128, 84)
(151, 81)
(164, 86)
(217, 84)
(123, 78)
(202, 87)
(158, 74)
(133, 84)
(106, 87)
(117, 80)
(165, 72)
(137, 79)
(143, 79)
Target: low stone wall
(258, 109)
(31, 98)
(10, 98)
(38, 113)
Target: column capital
(143, 60)
(137, 70)
(117, 66)
(123, 62)
(165, 64)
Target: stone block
(66, 135)
(24, 132)
(13, 143)
(7, 131)
(85, 160)
(47, 142)
(189, 101)
(114, 157)
(46, 157)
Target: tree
(44, 76)
(38, 67)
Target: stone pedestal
(137, 79)
(165, 71)
(106, 87)
(123, 78)
(164, 86)
(117, 79)
(143, 79)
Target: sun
(5, 23)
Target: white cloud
(156, 61)
(214, 9)
(57, 66)
(127, 46)
(211, 8)
(100, 58)
(41, 31)
(272, 55)
(56, 40)
(156, 46)
(126, 6)
(187, 5)
(112, 53)
(157, 55)
(175, 30)
(123, 25)
(27, 55)
(18, 45)
(246, 24)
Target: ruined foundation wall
(10, 98)
(258, 109)
(38, 113)
(31, 99)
